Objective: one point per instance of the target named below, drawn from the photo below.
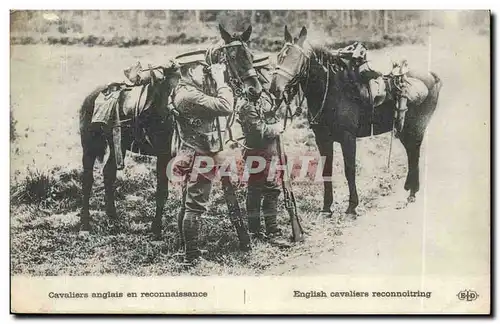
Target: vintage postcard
(250, 161)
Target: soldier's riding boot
(180, 242)
(253, 212)
(180, 220)
(270, 212)
(191, 228)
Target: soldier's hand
(217, 71)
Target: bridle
(295, 81)
(234, 79)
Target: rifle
(290, 204)
(235, 214)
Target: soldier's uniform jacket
(198, 116)
(255, 119)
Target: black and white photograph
(250, 161)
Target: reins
(236, 82)
(294, 82)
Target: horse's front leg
(109, 173)
(348, 143)
(161, 193)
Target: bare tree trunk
(386, 22)
(370, 19)
(379, 14)
(168, 17)
(197, 19)
(309, 19)
(141, 19)
(133, 14)
(253, 19)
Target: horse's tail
(92, 138)
(439, 83)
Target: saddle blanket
(105, 106)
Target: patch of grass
(57, 189)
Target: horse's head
(235, 54)
(292, 66)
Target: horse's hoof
(325, 214)
(85, 227)
(411, 199)
(156, 232)
(83, 234)
(351, 211)
(114, 229)
(245, 247)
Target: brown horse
(338, 110)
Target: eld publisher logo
(467, 295)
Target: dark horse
(156, 124)
(338, 110)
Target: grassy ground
(48, 85)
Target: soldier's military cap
(261, 61)
(197, 56)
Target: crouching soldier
(197, 116)
(260, 128)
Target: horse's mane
(326, 57)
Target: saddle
(120, 105)
(374, 92)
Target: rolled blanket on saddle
(415, 91)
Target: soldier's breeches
(197, 194)
(265, 194)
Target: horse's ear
(302, 36)
(224, 34)
(246, 34)
(288, 36)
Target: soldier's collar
(188, 83)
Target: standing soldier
(260, 128)
(261, 65)
(197, 116)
